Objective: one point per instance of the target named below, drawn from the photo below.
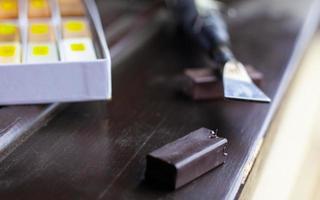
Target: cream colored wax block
(9, 9)
(42, 52)
(10, 53)
(80, 49)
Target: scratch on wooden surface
(9, 126)
(17, 132)
(102, 194)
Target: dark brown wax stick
(204, 83)
(185, 159)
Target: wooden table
(288, 164)
(97, 150)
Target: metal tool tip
(239, 86)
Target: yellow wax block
(9, 9)
(76, 28)
(39, 9)
(41, 32)
(10, 53)
(9, 32)
(68, 8)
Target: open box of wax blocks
(52, 51)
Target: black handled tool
(202, 20)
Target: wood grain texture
(97, 150)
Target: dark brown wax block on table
(205, 83)
(184, 160)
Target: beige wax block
(40, 32)
(10, 53)
(75, 28)
(9, 9)
(9, 32)
(70, 8)
(39, 9)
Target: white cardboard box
(58, 81)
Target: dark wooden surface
(97, 150)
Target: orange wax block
(70, 8)
(9, 32)
(9, 9)
(39, 9)
(41, 32)
(76, 28)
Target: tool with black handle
(202, 20)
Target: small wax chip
(39, 9)
(8, 32)
(75, 28)
(40, 29)
(7, 50)
(80, 49)
(7, 29)
(10, 53)
(41, 32)
(39, 4)
(68, 8)
(8, 9)
(42, 52)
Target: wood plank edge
(14, 136)
(304, 38)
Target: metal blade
(239, 86)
